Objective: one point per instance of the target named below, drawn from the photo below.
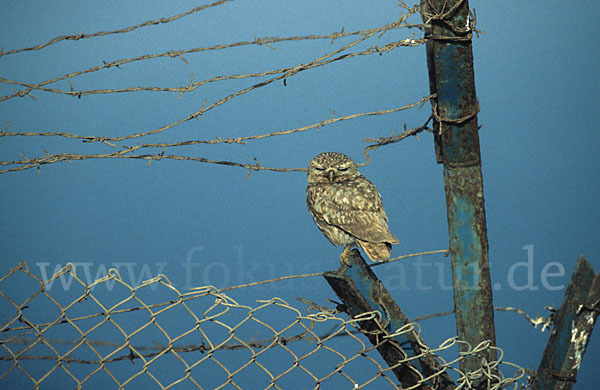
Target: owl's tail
(377, 251)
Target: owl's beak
(330, 174)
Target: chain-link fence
(153, 335)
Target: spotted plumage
(347, 207)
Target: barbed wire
(268, 41)
(237, 140)
(76, 37)
(132, 151)
(125, 152)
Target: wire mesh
(154, 335)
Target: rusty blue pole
(455, 107)
(573, 325)
(361, 291)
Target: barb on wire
(444, 251)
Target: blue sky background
(538, 87)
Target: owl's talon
(345, 256)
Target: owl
(347, 207)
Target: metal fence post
(573, 325)
(455, 107)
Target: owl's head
(331, 167)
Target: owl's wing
(356, 208)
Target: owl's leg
(345, 256)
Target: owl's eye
(319, 168)
(342, 169)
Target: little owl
(347, 207)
